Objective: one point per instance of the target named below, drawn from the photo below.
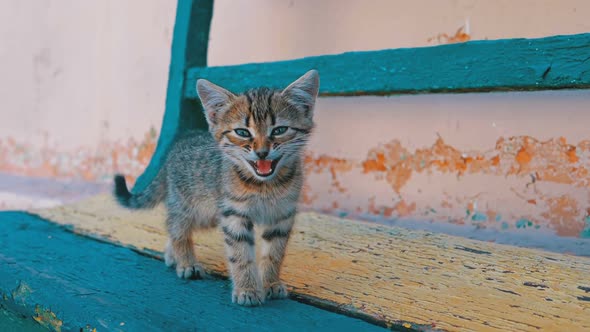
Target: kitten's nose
(262, 154)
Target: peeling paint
(535, 163)
(21, 292)
(523, 223)
(88, 328)
(87, 163)
(561, 215)
(478, 216)
(47, 318)
(333, 165)
(461, 35)
(541, 176)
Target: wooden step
(67, 282)
(408, 279)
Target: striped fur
(216, 179)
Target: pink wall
(84, 98)
(503, 161)
(270, 30)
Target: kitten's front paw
(276, 291)
(190, 272)
(169, 258)
(247, 297)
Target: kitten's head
(263, 129)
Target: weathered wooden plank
(390, 274)
(497, 65)
(189, 48)
(12, 320)
(110, 288)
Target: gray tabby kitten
(246, 171)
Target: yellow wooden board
(401, 277)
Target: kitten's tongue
(264, 166)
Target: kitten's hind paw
(190, 272)
(276, 291)
(247, 297)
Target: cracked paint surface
(547, 182)
(96, 163)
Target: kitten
(246, 171)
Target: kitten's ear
(304, 91)
(215, 100)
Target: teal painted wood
(189, 48)
(115, 289)
(512, 64)
(11, 320)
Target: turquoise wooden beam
(111, 288)
(559, 62)
(189, 48)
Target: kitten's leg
(239, 245)
(169, 258)
(179, 249)
(275, 238)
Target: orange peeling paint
(375, 165)
(571, 154)
(523, 157)
(534, 161)
(491, 214)
(551, 161)
(460, 36)
(333, 165)
(398, 163)
(564, 216)
(404, 209)
(87, 163)
(495, 160)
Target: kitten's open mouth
(264, 167)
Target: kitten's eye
(279, 131)
(243, 132)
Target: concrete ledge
(405, 279)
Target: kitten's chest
(268, 211)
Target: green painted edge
(189, 48)
(100, 284)
(556, 62)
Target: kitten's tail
(148, 198)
